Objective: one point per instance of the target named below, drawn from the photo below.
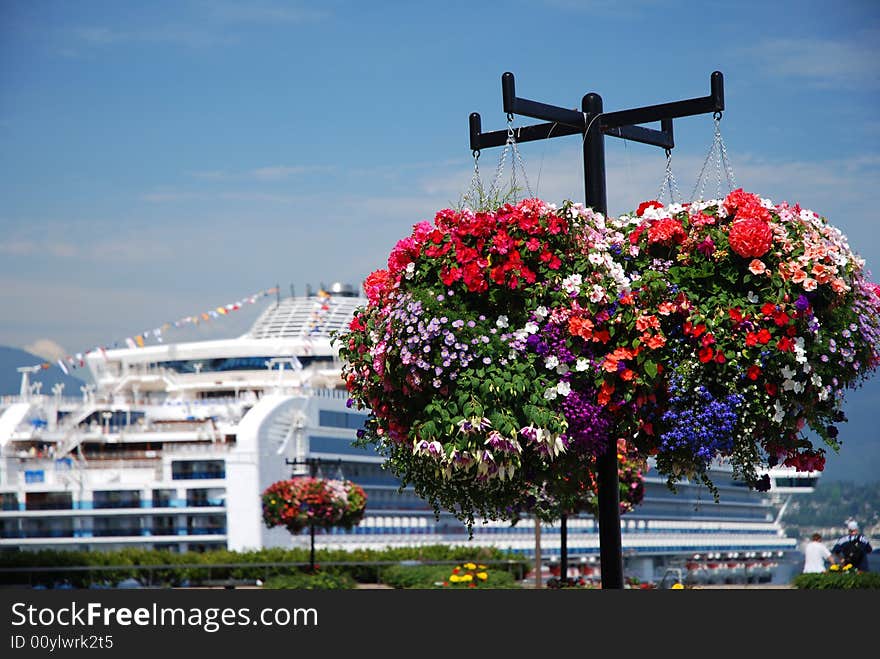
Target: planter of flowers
(504, 351)
(303, 502)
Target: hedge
(837, 580)
(165, 568)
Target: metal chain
(477, 196)
(718, 152)
(475, 191)
(669, 182)
(519, 161)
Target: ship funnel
(342, 290)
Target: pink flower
(750, 237)
(757, 267)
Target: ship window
(341, 419)
(163, 498)
(117, 499)
(796, 482)
(197, 469)
(8, 501)
(48, 501)
(233, 364)
(334, 445)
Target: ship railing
(196, 448)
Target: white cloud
(266, 174)
(824, 63)
(47, 349)
(195, 37)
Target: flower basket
(301, 502)
(504, 351)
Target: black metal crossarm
(623, 124)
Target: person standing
(816, 554)
(853, 548)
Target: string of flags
(78, 360)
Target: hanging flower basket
(510, 348)
(305, 501)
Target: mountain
(859, 458)
(10, 378)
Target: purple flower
(707, 247)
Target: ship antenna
(292, 294)
(277, 294)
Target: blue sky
(159, 159)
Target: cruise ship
(171, 446)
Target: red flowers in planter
(305, 501)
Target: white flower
(752, 297)
(787, 373)
(531, 327)
(780, 413)
(562, 369)
(597, 293)
(410, 269)
(596, 259)
(572, 283)
(551, 393)
(541, 312)
(581, 364)
(502, 322)
(655, 213)
(564, 388)
(816, 380)
(551, 362)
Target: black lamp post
(594, 124)
(314, 465)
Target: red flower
(750, 237)
(449, 275)
(645, 205)
(754, 372)
(706, 354)
(785, 344)
(768, 309)
(771, 388)
(377, 285)
(666, 232)
(764, 336)
(781, 318)
(751, 339)
(636, 234)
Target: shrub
(306, 581)
(837, 580)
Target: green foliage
(837, 580)
(305, 581)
